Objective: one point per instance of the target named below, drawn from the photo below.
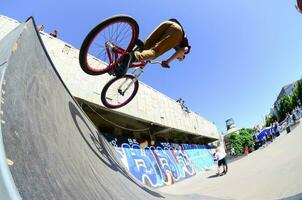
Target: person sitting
(169, 34)
(54, 33)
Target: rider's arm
(179, 54)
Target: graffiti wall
(162, 163)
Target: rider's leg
(156, 35)
(152, 39)
(165, 37)
(170, 38)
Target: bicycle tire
(92, 35)
(104, 97)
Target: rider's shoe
(124, 65)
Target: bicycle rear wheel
(122, 31)
(119, 91)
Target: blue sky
(243, 51)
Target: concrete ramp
(54, 150)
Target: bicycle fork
(137, 72)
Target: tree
(286, 106)
(297, 94)
(246, 137)
(270, 119)
(238, 141)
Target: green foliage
(270, 119)
(246, 136)
(288, 102)
(297, 94)
(294, 97)
(286, 106)
(238, 141)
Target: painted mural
(162, 163)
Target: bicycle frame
(116, 54)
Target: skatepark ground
(272, 172)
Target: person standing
(288, 122)
(40, 27)
(220, 156)
(233, 151)
(276, 128)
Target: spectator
(263, 141)
(294, 117)
(299, 112)
(182, 104)
(272, 129)
(288, 122)
(40, 27)
(291, 118)
(222, 164)
(180, 101)
(245, 149)
(54, 33)
(267, 138)
(233, 153)
(276, 127)
(287, 119)
(271, 137)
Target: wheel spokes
(120, 91)
(119, 33)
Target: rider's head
(185, 44)
(182, 51)
(187, 49)
(299, 6)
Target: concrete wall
(149, 104)
(6, 25)
(162, 164)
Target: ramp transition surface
(57, 152)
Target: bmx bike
(101, 51)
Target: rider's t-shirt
(220, 155)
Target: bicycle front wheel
(119, 91)
(122, 31)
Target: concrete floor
(272, 172)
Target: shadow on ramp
(294, 197)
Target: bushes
(238, 141)
(270, 119)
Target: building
(149, 114)
(231, 128)
(285, 90)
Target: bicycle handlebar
(154, 62)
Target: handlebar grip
(139, 44)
